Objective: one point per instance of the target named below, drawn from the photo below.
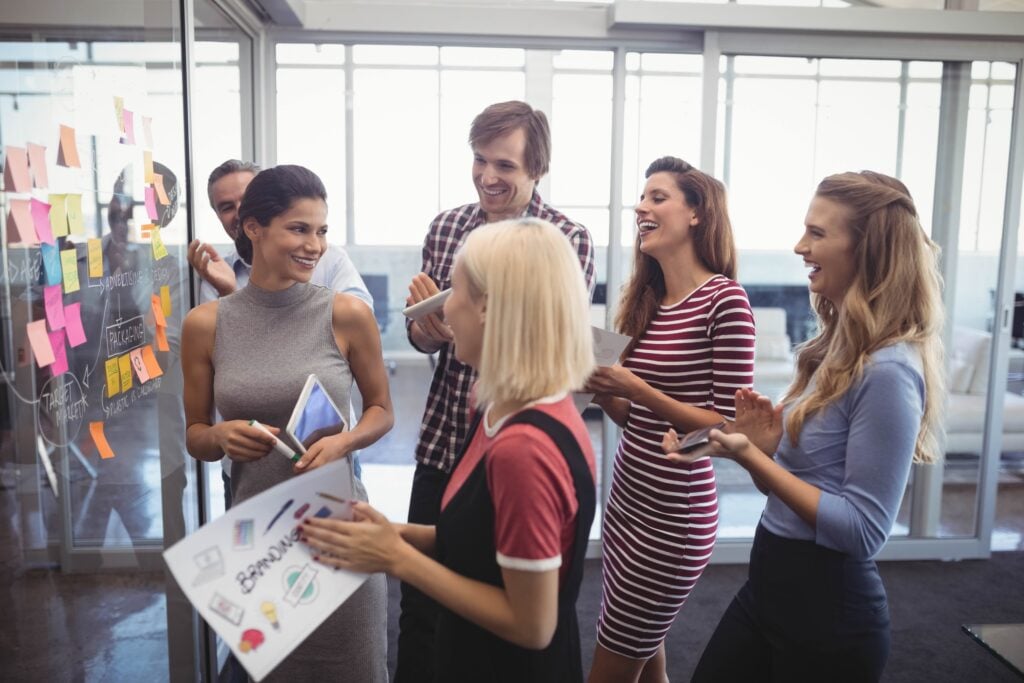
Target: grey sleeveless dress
(266, 344)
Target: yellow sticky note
(95, 258)
(159, 250)
(75, 222)
(113, 378)
(58, 215)
(69, 264)
(100, 439)
(124, 365)
(147, 167)
(165, 300)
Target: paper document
(250, 578)
(608, 347)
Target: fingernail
(316, 558)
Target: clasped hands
(757, 430)
(242, 442)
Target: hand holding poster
(253, 581)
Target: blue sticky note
(51, 263)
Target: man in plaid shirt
(511, 145)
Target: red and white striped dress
(661, 519)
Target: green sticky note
(69, 265)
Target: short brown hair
(503, 118)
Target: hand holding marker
(278, 444)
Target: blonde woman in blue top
(864, 405)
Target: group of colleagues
(491, 559)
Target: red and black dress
(521, 496)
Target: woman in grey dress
(247, 355)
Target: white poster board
(608, 346)
(253, 581)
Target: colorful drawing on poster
(60, 353)
(278, 515)
(37, 162)
(226, 609)
(252, 638)
(113, 378)
(300, 585)
(301, 511)
(41, 220)
(323, 512)
(211, 565)
(330, 497)
(245, 534)
(67, 151)
(73, 324)
(16, 170)
(269, 610)
(100, 439)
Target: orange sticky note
(16, 170)
(161, 339)
(20, 227)
(158, 311)
(100, 439)
(140, 365)
(37, 162)
(113, 378)
(161, 193)
(67, 152)
(149, 358)
(40, 342)
(124, 364)
(146, 230)
(165, 299)
(147, 167)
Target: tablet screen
(316, 418)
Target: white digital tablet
(427, 306)
(314, 416)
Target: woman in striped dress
(692, 349)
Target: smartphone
(427, 306)
(697, 438)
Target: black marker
(279, 513)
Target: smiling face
(289, 248)
(500, 176)
(226, 196)
(465, 315)
(663, 217)
(828, 250)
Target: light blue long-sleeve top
(858, 451)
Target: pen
(330, 497)
(278, 444)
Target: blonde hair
(537, 339)
(895, 296)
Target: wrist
(401, 562)
(225, 288)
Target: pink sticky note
(129, 128)
(37, 162)
(40, 342)
(140, 365)
(60, 353)
(41, 219)
(73, 324)
(54, 298)
(151, 202)
(16, 170)
(20, 219)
